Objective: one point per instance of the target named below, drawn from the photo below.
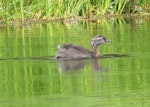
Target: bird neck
(95, 51)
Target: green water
(29, 77)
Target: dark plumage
(70, 51)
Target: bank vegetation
(34, 10)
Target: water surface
(31, 77)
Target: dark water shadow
(115, 55)
(30, 58)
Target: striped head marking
(97, 40)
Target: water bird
(71, 51)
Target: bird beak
(108, 41)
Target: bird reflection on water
(74, 65)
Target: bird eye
(104, 38)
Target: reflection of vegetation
(126, 79)
(28, 79)
(24, 41)
(23, 10)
